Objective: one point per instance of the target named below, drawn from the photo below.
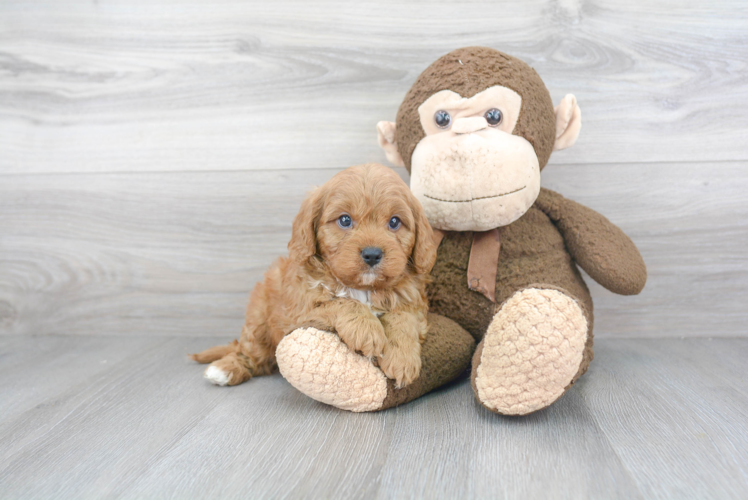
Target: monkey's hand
(596, 244)
(401, 358)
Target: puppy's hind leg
(215, 353)
(234, 363)
(254, 353)
(232, 369)
(228, 366)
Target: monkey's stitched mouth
(475, 199)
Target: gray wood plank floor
(131, 417)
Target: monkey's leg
(536, 346)
(320, 365)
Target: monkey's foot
(321, 366)
(530, 353)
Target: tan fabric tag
(484, 262)
(438, 237)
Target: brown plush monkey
(474, 131)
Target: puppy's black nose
(371, 255)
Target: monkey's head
(474, 131)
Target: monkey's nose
(372, 255)
(469, 124)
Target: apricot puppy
(358, 264)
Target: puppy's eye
(442, 119)
(493, 116)
(345, 221)
(395, 223)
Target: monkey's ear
(386, 133)
(568, 122)
(303, 244)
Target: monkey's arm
(596, 244)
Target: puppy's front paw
(401, 363)
(365, 335)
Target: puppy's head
(367, 226)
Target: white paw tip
(217, 376)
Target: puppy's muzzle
(372, 255)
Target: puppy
(358, 264)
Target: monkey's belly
(532, 252)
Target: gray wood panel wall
(153, 153)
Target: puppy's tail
(215, 353)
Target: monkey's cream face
(469, 172)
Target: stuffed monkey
(474, 132)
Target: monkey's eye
(345, 221)
(442, 119)
(493, 117)
(395, 223)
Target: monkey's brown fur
(540, 248)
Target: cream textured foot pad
(320, 365)
(531, 351)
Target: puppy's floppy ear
(424, 250)
(303, 244)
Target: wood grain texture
(237, 85)
(160, 253)
(653, 418)
(155, 153)
(676, 413)
(178, 253)
(689, 222)
(45, 377)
